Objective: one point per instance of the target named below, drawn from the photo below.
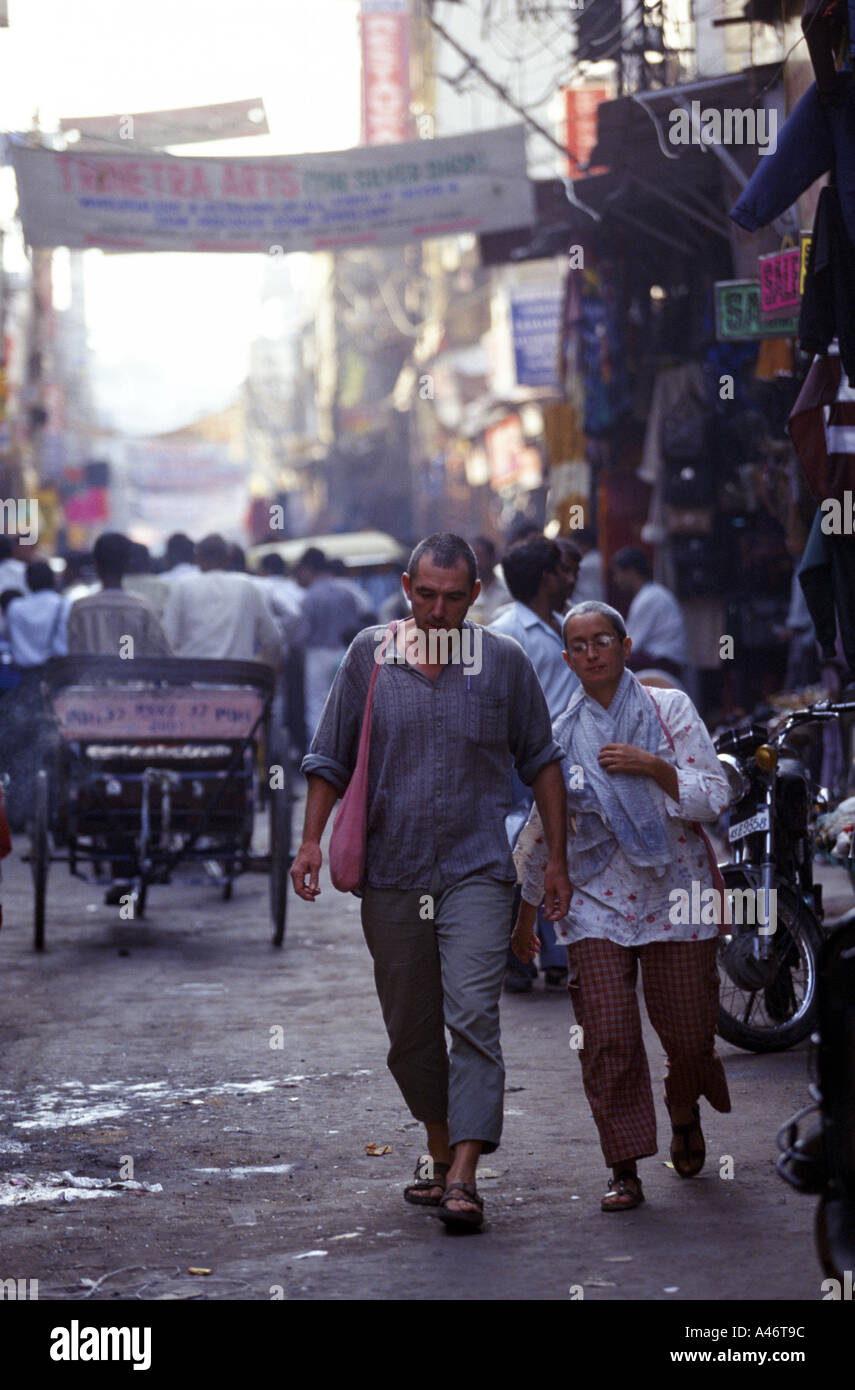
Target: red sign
(581, 105)
(386, 116)
(779, 283)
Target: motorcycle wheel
(777, 1016)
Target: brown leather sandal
(461, 1218)
(620, 1196)
(688, 1150)
(418, 1192)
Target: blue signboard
(535, 323)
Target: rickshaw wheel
(280, 847)
(39, 857)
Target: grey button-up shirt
(439, 783)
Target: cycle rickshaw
(152, 762)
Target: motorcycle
(769, 964)
(822, 1161)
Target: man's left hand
(624, 757)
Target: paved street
(244, 1085)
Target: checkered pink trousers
(681, 993)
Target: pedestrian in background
(495, 594)
(36, 623)
(179, 557)
(541, 577)
(12, 570)
(655, 621)
(101, 623)
(649, 774)
(590, 582)
(438, 870)
(36, 630)
(219, 615)
(330, 619)
(285, 598)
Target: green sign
(737, 314)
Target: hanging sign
(738, 318)
(377, 195)
(779, 283)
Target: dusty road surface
(239, 1087)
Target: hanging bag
(347, 842)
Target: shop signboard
(738, 318)
(378, 195)
(779, 283)
(384, 28)
(581, 105)
(805, 239)
(536, 325)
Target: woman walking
(640, 771)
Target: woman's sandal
(688, 1158)
(620, 1196)
(461, 1218)
(418, 1192)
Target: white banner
(376, 196)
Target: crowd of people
(198, 603)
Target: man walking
(104, 622)
(541, 577)
(439, 875)
(331, 616)
(655, 621)
(218, 615)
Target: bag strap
(664, 726)
(365, 732)
(718, 881)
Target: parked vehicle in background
(769, 968)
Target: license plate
(750, 826)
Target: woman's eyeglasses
(599, 643)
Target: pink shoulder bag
(347, 842)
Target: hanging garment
(828, 304)
(822, 428)
(824, 24)
(827, 577)
(814, 138)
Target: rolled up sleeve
(530, 732)
(332, 754)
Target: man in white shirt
(495, 596)
(36, 623)
(219, 615)
(179, 558)
(654, 621)
(589, 583)
(283, 594)
(35, 626)
(12, 571)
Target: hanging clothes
(815, 137)
(822, 428)
(824, 24)
(828, 304)
(827, 577)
